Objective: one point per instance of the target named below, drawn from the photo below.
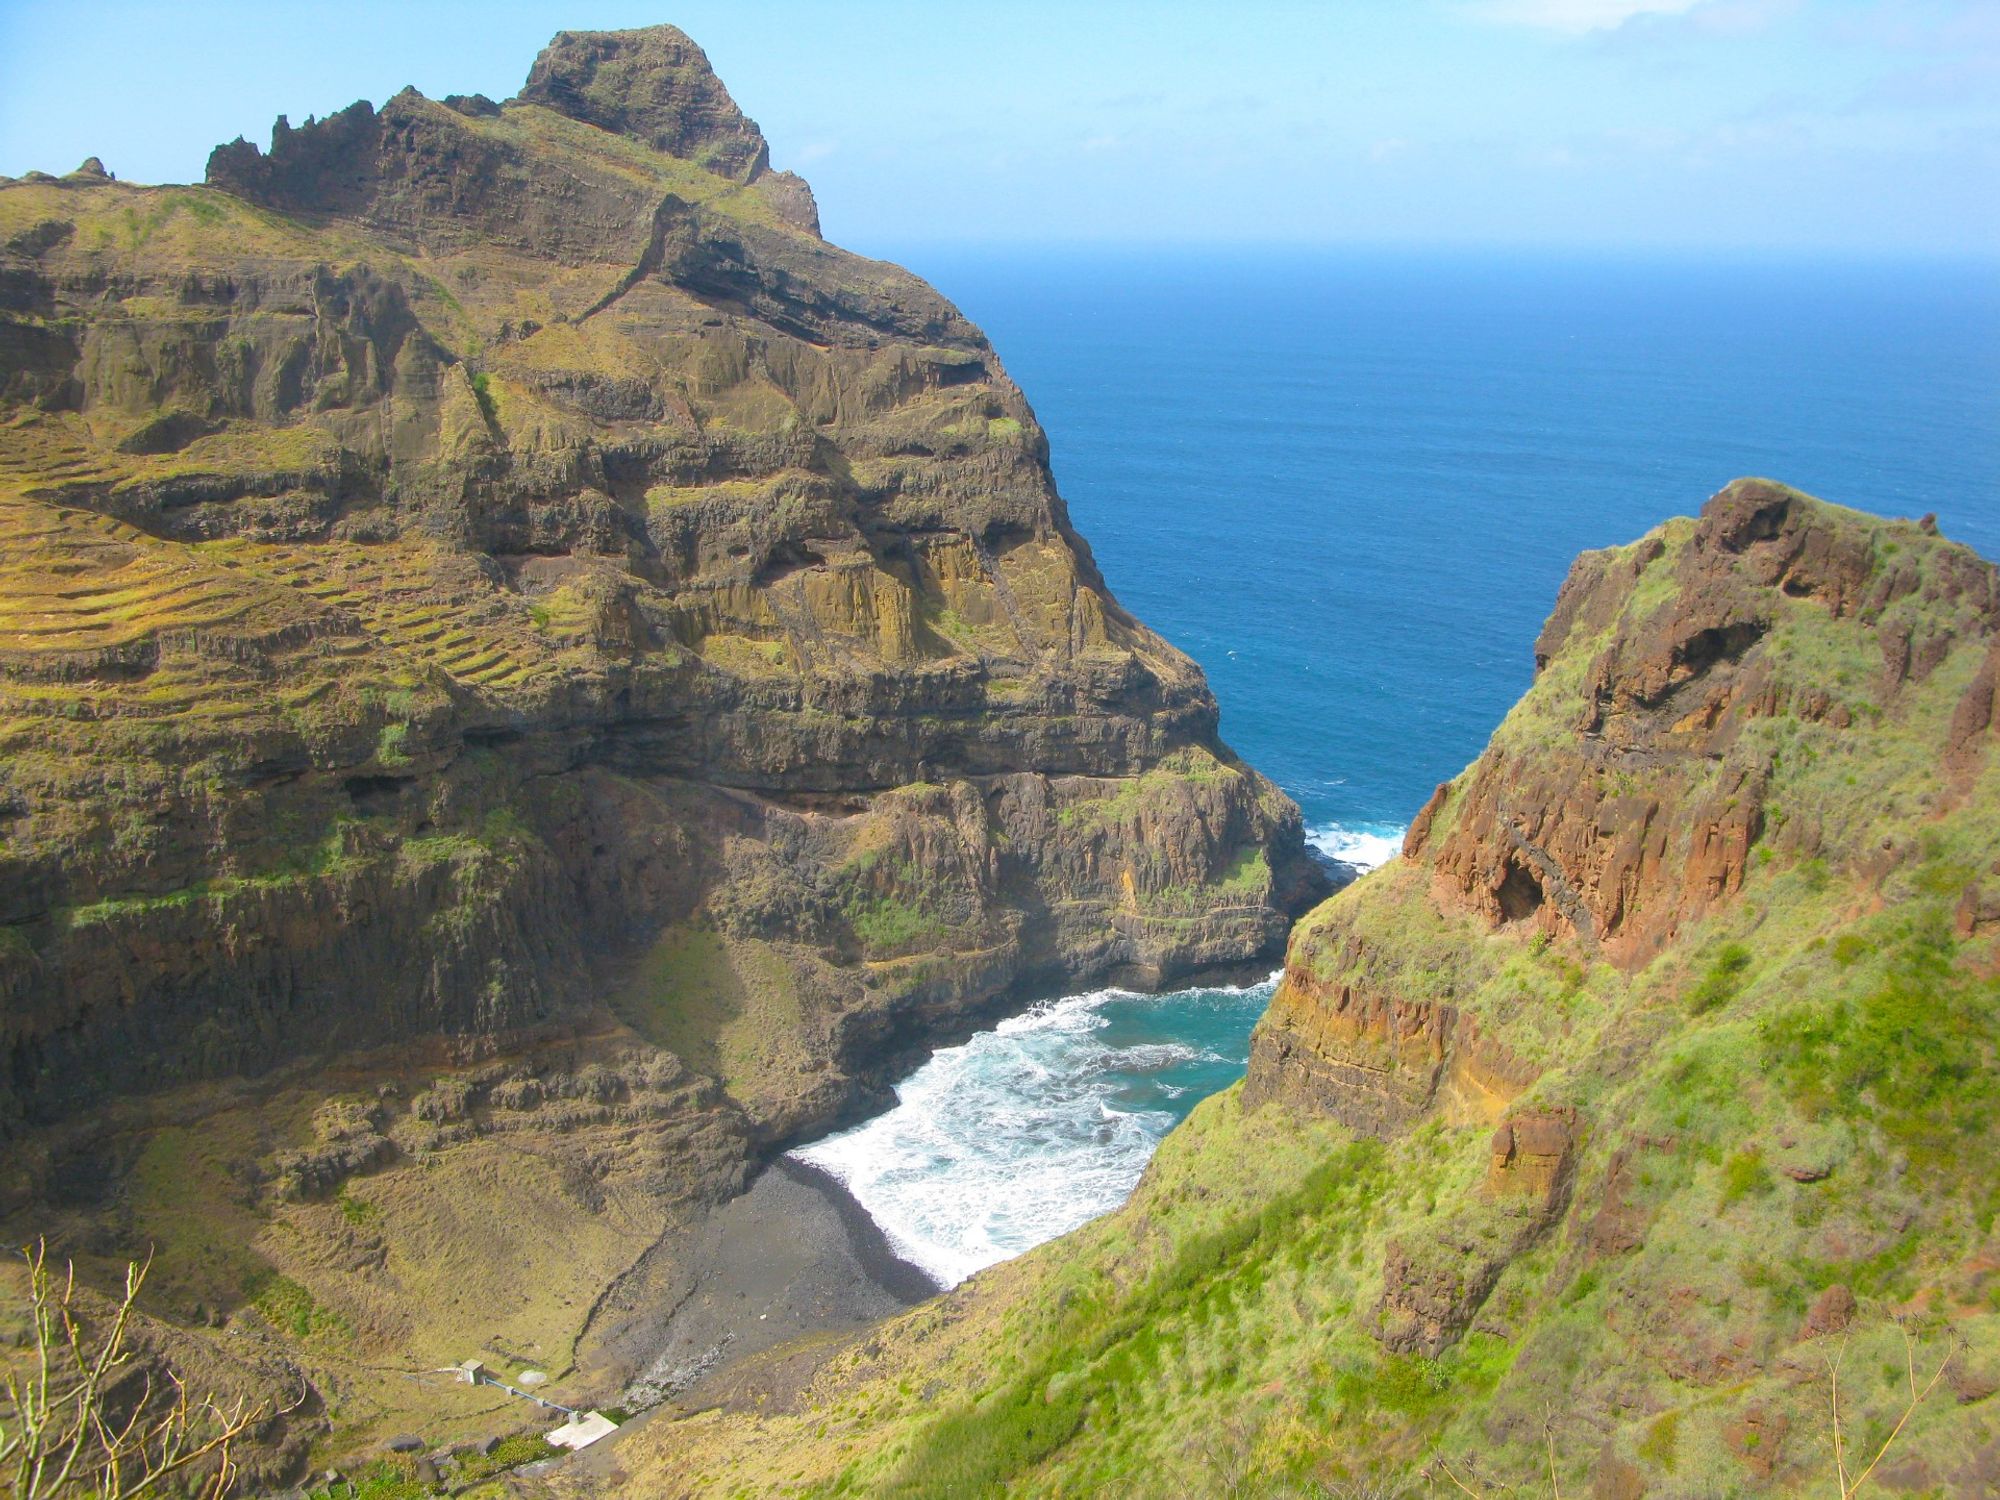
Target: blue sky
(1843, 126)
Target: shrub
(1745, 1175)
(1720, 983)
(1917, 1054)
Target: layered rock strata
(467, 542)
(528, 679)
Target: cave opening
(1519, 893)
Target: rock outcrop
(528, 679)
(1619, 804)
(471, 544)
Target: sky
(1845, 127)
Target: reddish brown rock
(1615, 1479)
(1434, 1282)
(1546, 838)
(1757, 1438)
(1532, 1154)
(1619, 1225)
(1832, 1310)
(1974, 721)
(1626, 796)
(1373, 1060)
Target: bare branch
(1917, 1399)
(57, 1435)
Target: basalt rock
(467, 543)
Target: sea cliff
(527, 678)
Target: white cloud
(1638, 20)
(1578, 15)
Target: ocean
(1349, 485)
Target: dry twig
(59, 1435)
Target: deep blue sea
(1349, 485)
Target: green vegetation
(393, 1478)
(887, 924)
(291, 1309)
(1912, 1049)
(729, 1007)
(1743, 1175)
(891, 907)
(482, 392)
(1103, 1348)
(1724, 977)
(508, 1453)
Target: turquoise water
(1349, 486)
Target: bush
(1724, 978)
(1918, 1054)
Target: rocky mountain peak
(655, 85)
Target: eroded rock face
(1646, 819)
(1381, 1061)
(655, 86)
(1689, 691)
(1620, 802)
(468, 552)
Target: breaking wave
(1039, 1125)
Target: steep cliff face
(527, 678)
(1686, 687)
(470, 554)
(1621, 1137)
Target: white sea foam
(1363, 845)
(1013, 1138)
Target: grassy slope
(1828, 1025)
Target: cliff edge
(511, 643)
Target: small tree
(59, 1434)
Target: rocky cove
(531, 681)
(535, 691)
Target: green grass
(1104, 1345)
(1744, 1175)
(891, 906)
(392, 745)
(292, 1309)
(508, 1453)
(1913, 1050)
(1724, 977)
(887, 924)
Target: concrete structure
(581, 1430)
